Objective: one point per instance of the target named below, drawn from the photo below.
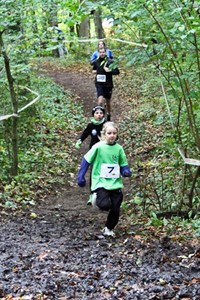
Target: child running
(104, 69)
(109, 162)
(93, 128)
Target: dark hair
(98, 107)
(102, 42)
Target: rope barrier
(189, 161)
(23, 108)
(167, 104)
(103, 39)
(32, 102)
(7, 117)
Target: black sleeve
(94, 65)
(86, 132)
(115, 71)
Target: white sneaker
(108, 232)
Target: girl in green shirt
(109, 163)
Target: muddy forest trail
(62, 255)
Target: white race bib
(101, 78)
(110, 171)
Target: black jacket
(98, 65)
(94, 130)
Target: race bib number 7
(110, 171)
(101, 78)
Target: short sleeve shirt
(106, 161)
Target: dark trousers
(110, 201)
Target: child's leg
(101, 101)
(103, 200)
(108, 105)
(89, 202)
(113, 216)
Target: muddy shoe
(108, 232)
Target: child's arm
(110, 55)
(86, 132)
(124, 168)
(115, 71)
(82, 171)
(111, 67)
(94, 56)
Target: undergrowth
(46, 131)
(148, 138)
(160, 182)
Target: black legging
(110, 200)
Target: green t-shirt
(106, 161)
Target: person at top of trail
(104, 68)
(62, 50)
(109, 163)
(93, 128)
(95, 54)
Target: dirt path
(61, 254)
(81, 84)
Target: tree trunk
(84, 29)
(98, 24)
(14, 167)
(84, 32)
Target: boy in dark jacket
(93, 129)
(104, 69)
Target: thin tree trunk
(14, 167)
(191, 193)
(98, 24)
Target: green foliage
(29, 30)
(187, 226)
(44, 147)
(159, 180)
(155, 221)
(196, 225)
(172, 49)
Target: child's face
(101, 45)
(102, 53)
(98, 115)
(111, 135)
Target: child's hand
(82, 182)
(78, 144)
(106, 69)
(125, 171)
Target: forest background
(156, 43)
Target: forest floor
(62, 254)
